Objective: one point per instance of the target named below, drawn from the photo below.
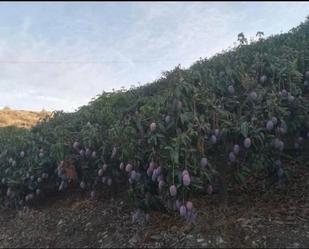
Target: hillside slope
(205, 128)
(20, 118)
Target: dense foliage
(222, 120)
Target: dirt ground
(257, 219)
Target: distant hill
(20, 118)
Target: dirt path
(268, 219)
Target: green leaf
(244, 129)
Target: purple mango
(173, 190)
(153, 127)
(204, 162)
(121, 166)
(232, 157)
(269, 125)
(182, 210)
(231, 89)
(236, 149)
(129, 167)
(247, 143)
(186, 180)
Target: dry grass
(20, 118)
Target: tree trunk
(223, 184)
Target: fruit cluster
(239, 112)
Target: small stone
(133, 240)
(220, 240)
(295, 244)
(157, 244)
(189, 236)
(174, 229)
(187, 228)
(155, 237)
(200, 240)
(204, 244)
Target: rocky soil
(257, 218)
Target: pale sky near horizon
(58, 55)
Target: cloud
(64, 85)
(123, 45)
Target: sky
(59, 55)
